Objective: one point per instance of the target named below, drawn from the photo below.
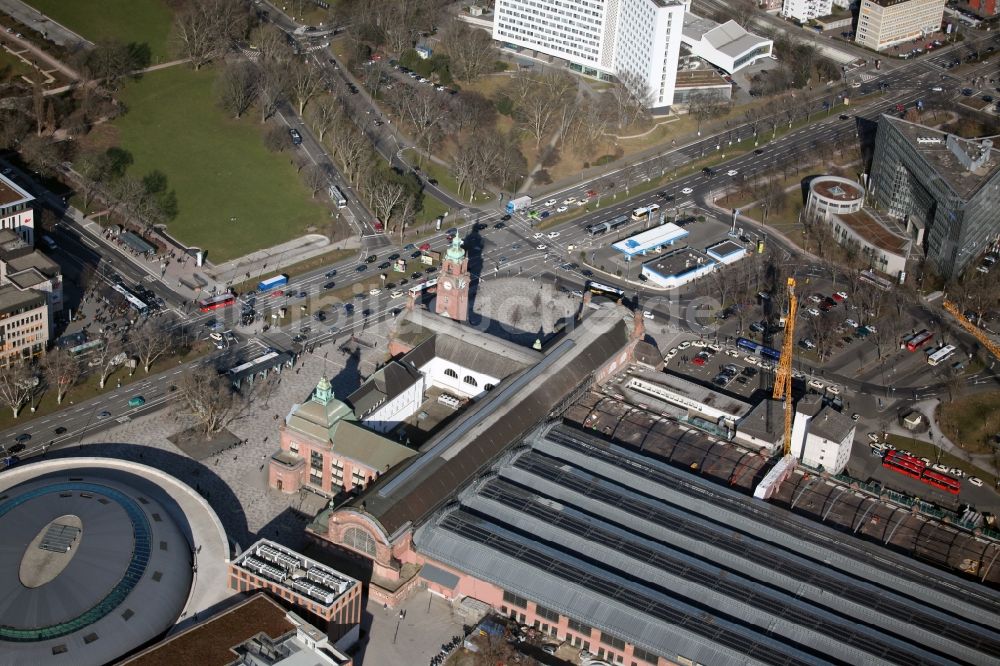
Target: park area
(128, 21)
(233, 195)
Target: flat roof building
(636, 41)
(17, 210)
(885, 23)
(943, 187)
(726, 46)
(676, 268)
(255, 632)
(651, 240)
(806, 10)
(331, 599)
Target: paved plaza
(235, 481)
(428, 621)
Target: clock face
(446, 285)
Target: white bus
(644, 213)
(337, 196)
(941, 355)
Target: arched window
(451, 373)
(360, 540)
(488, 387)
(469, 379)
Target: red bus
(919, 340)
(941, 481)
(216, 302)
(904, 464)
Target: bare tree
(271, 43)
(238, 86)
(61, 371)
(108, 358)
(205, 29)
(824, 332)
(471, 50)
(632, 97)
(315, 177)
(42, 153)
(151, 340)
(384, 196)
(17, 384)
(351, 149)
(323, 115)
(273, 87)
(210, 401)
(305, 82)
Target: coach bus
(272, 283)
(86, 347)
(758, 348)
(941, 355)
(216, 302)
(602, 228)
(134, 301)
(644, 213)
(919, 340)
(599, 289)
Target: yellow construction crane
(783, 376)
(984, 339)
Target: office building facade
(806, 10)
(885, 23)
(637, 41)
(17, 210)
(945, 188)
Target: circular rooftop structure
(94, 563)
(833, 195)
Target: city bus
(599, 289)
(758, 348)
(86, 347)
(941, 355)
(272, 283)
(601, 228)
(919, 340)
(941, 481)
(644, 213)
(904, 464)
(134, 301)
(337, 196)
(216, 302)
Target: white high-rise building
(637, 41)
(805, 10)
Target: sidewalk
(274, 258)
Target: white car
(815, 298)
(539, 235)
(396, 294)
(813, 312)
(941, 468)
(562, 209)
(954, 471)
(752, 360)
(871, 329)
(647, 314)
(873, 437)
(733, 353)
(684, 345)
(215, 336)
(670, 354)
(569, 200)
(712, 347)
(816, 384)
(550, 202)
(553, 234)
(976, 481)
(700, 343)
(732, 172)
(374, 292)
(541, 247)
(842, 295)
(687, 190)
(937, 89)
(851, 323)
(833, 389)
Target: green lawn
(218, 166)
(139, 21)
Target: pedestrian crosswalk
(865, 77)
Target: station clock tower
(453, 283)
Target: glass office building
(947, 189)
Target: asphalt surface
(511, 249)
